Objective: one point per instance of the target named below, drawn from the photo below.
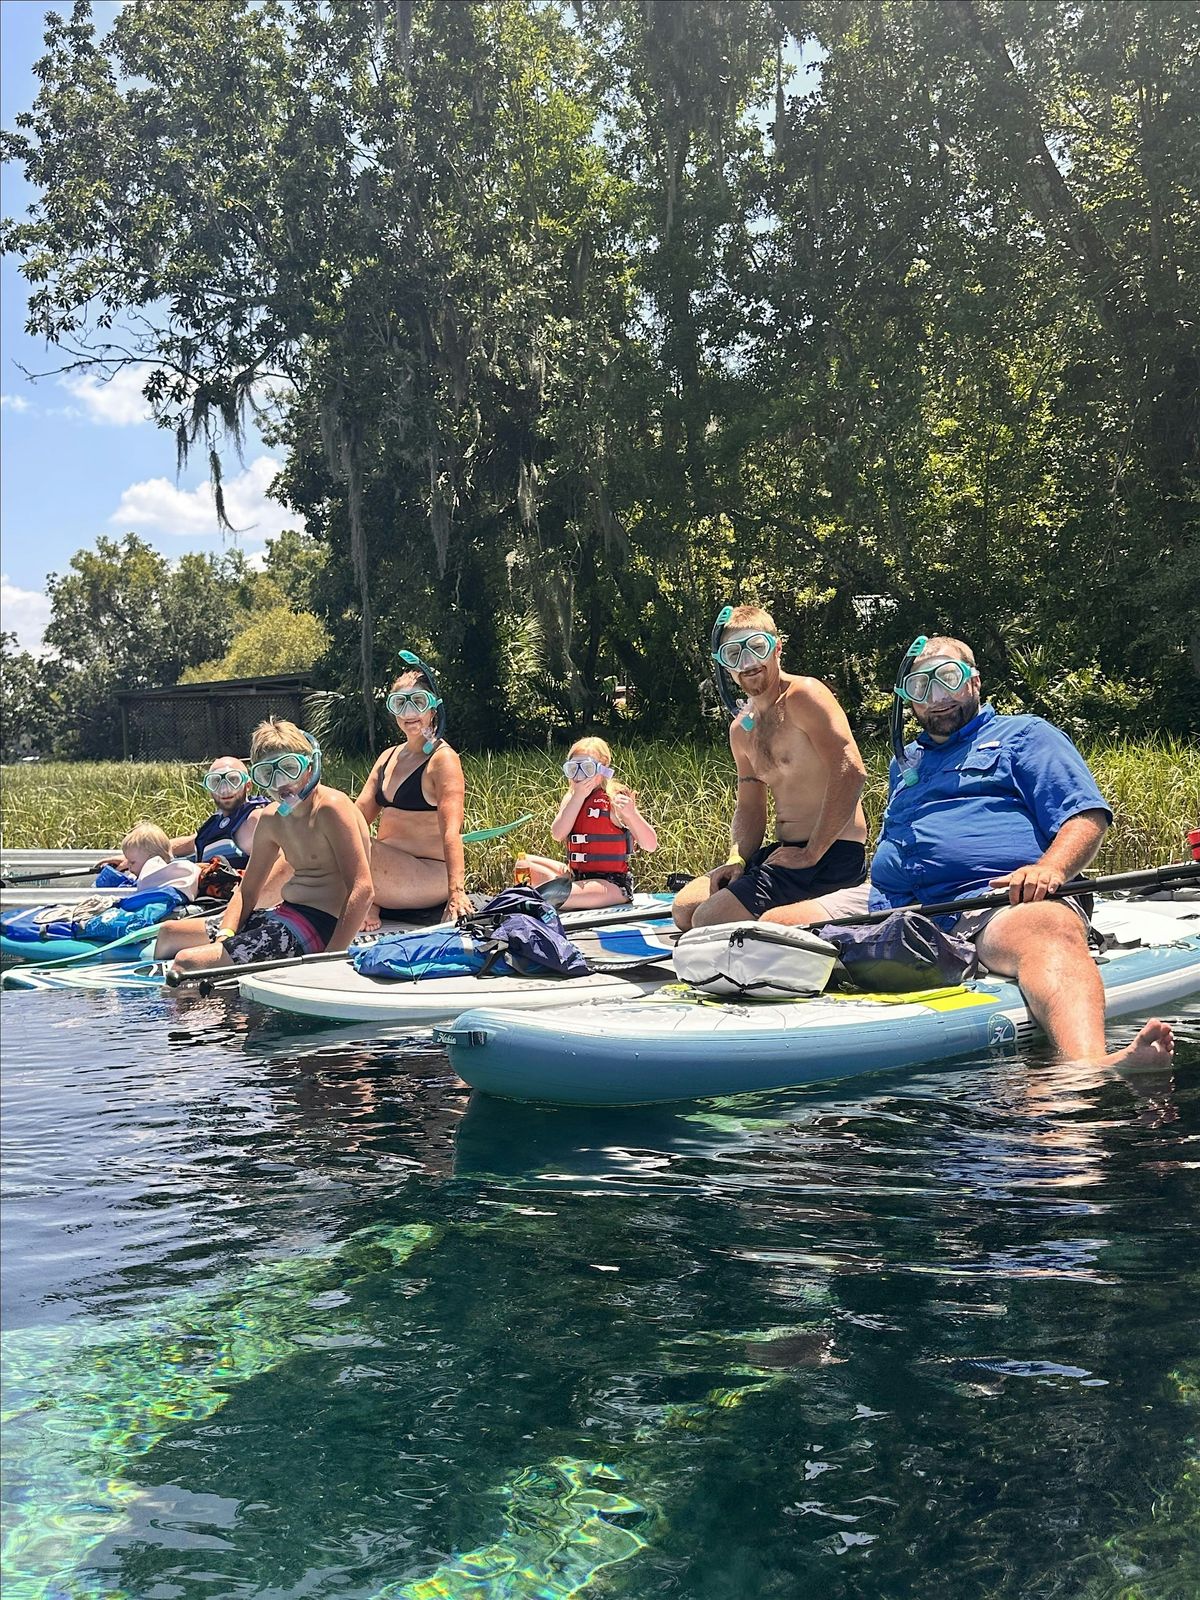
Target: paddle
(1175, 872)
(478, 835)
(472, 836)
(88, 871)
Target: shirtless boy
(313, 829)
(799, 749)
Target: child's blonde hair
(599, 751)
(278, 737)
(148, 837)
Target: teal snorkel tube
(726, 687)
(427, 672)
(286, 807)
(908, 768)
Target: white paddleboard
(335, 991)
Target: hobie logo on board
(1002, 1033)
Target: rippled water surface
(288, 1313)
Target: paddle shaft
(1177, 872)
(478, 835)
(88, 871)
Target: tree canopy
(575, 321)
(124, 617)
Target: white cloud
(158, 504)
(24, 612)
(116, 402)
(14, 402)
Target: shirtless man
(799, 748)
(321, 837)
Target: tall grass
(686, 790)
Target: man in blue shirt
(983, 802)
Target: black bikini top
(408, 797)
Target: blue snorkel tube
(908, 768)
(726, 687)
(415, 664)
(286, 807)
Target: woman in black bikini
(416, 793)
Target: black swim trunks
(763, 886)
(281, 933)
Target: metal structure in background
(196, 721)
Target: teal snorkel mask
(265, 774)
(726, 688)
(415, 664)
(899, 698)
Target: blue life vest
(216, 836)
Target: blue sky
(77, 458)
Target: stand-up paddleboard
(334, 990)
(681, 1045)
(121, 972)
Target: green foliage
(271, 641)
(28, 714)
(581, 320)
(124, 617)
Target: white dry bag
(760, 959)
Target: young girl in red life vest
(601, 826)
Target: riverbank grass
(686, 790)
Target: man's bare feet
(1154, 1046)
(371, 921)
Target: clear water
(289, 1314)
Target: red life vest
(599, 845)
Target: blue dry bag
(906, 951)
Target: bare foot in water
(371, 921)
(1153, 1047)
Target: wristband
(735, 858)
(225, 933)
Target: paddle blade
(478, 835)
(556, 890)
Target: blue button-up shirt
(988, 800)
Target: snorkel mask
(290, 767)
(415, 664)
(225, 780)
(726, 687)
(899, 699)
(578, 769)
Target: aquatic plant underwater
(85, 1404)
